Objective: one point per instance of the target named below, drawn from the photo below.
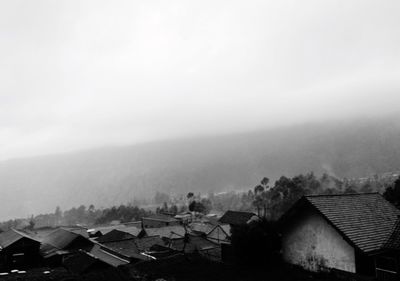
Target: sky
(83, 74)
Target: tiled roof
(393, 242)
(236, 218)
(366, 220)
(11, 236)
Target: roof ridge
(341, 194)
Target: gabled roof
(11, 236)
(220, 233)
(365, 220)
(60, 239)
(114, 235)
(132, 230)
(134, 248)
(236, 218)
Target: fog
(83, 74)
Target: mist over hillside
(115, 175)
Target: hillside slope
(118, 174)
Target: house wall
(311, 242)
(21, 254)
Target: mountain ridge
(114, 175)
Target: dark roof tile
(367, 219)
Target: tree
(58, 215)
(392, 193)
(31, 223)
(261, 199)
(173, 209)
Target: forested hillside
(114, 175)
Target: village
(346, 236)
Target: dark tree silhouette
(392, 193)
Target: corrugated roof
(201, 227)
(161, 217)
(366, 220)
(106, 256)
(11, 236)
(166, 231)
(194, 243)
(134, 247)
(59, 239)
(133, 230)
(115, 235)
(236, 218)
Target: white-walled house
(350, 232)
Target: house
(135, 249)
(18, 250)
(115, 235)
(235, 218)
(60, 243)
(201, 228)
(197, 244)
(159, 220)
(167, 233)
(349, 232)
(98, 259)
(220, 234)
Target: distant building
(18, 250)
(115, 235)
(349, 232)
(134, 249)
(60, 243)
(237, 219)
(159, 221)
(220, 234)
(197, 244)
(167, 233)
(99, 259)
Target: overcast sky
(81, 74)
